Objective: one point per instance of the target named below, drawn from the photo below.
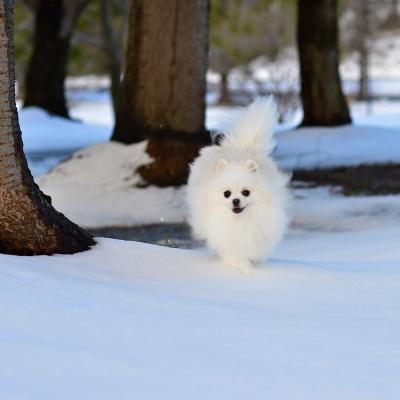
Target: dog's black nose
(236, 202)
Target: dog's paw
(247, 270)
(245, 267)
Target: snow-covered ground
(127, 320)
(46, 133)
(49, 139)
(319, 320)
(97, 188)
(337, 146)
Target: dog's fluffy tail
(253, 127)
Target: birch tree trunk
(162, 94)
(29, 225)
(47, 69)
(317, 39)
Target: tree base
(326, 122)
(45, 231)
(172, 153)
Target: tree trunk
(29, 224)
(317, 39)
(363, 49)
(363, 82)
(224, 93)
(47, 69)
(162, 94)
(113, 43)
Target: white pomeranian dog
(236, 195)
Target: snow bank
(97, 188)
(337, 146)
(128, 320)
(373, 138)
(43, 133)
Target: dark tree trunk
(162, 94)
(224, 93)
(47, 69)
(317, 39)
(363, 82)
(29, 224)
(363, 30)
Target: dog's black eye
(227, 193)
(246, 193)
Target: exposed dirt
(380, 179)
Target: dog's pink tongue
(237, 210)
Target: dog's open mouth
(238, 210)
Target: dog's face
(239, 202)
(238, 187)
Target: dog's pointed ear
(251, 165)
(221, 165)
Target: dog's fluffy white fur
(236, 195)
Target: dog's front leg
(242, 265)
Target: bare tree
(113, 39)
(317, 40)
(54, 22)
(357, 37)
(243, 30)
(29, 223)
(162, 94)
(221, 63)
(363, 23)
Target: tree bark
(363, 21)
(113, 43)
(363, 81)
(162, 94)
(317, 39)
(224, 93)
(47, 69)
(29, 224)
